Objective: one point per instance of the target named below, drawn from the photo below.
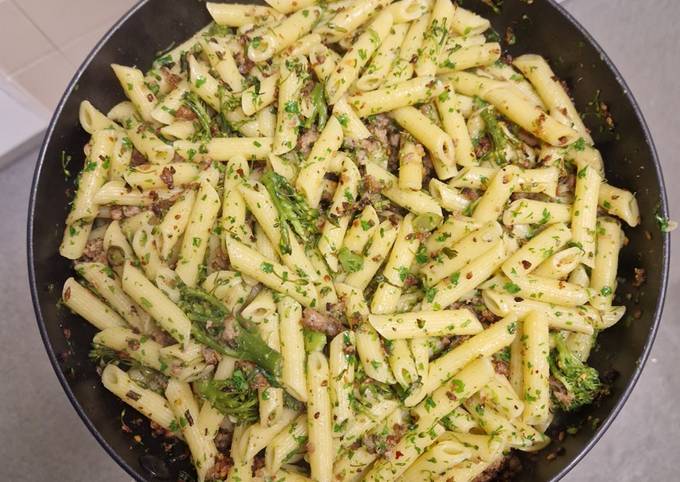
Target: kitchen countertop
(41, 437)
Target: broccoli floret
(207, 314)
(234, 396)
(496, 135)
(581, 382)
(292, 209)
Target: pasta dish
(345, 241)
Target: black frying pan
(539, 27)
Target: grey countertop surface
(41, 437)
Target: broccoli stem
(497, 137)
(197, 107)
(202, 307)
(234, 396)
(292, 208)
(319, 112)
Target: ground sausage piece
(503, 469)
(170, 77)
(560, 392)
(501, 367)
(137, 158)
(220, 470)
(371, 184)
(185, 113)
(211, 357)
(321, 322)
(166, 176)
(94, 250)
(307, 140)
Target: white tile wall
(42, 42)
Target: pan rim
(604, 426)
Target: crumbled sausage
(322, 322)
(94, 250)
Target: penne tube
(151, 176)
(619, 203)
(145, 401)
(535, 251)
(431, 136)
(402, 68)
(473, 246)
(530, 211)
(415, 201)
(584, 212)
(560, 264)
(319, 418)
(425, 323)
(356, 58)
(536, 349)
(415, 91)
(84, 303)
(449, 290)
(374, 75)
(484, 344)
(605, 267)
(270, 273)
(238, 15)
(551, 91)
(579, 319)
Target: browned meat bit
(167, 176)
(528, 138)
(137, 158)
(258, 465)
(566, 184)
(640, 277)
(229, 334)
(258, 381)
(503, 469)
(160, 206)
(220, 470)
(322, 322)
(220, 261)
(307, 140)
(555, 453)
(469, 194)
(120, 212)
(355, 319)
(398, 431)
(170, 77)
(94, 250)
(395, 139)
(560, 393)
(336, 310)
(184, 113)
(483, 147)
(371, 184)
(501, 367)
(133, 344)
(223, 441)
(428, 169)
(210, 356)
(379, 128)
(245, 65)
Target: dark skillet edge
(663, 210)
(30, 255)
